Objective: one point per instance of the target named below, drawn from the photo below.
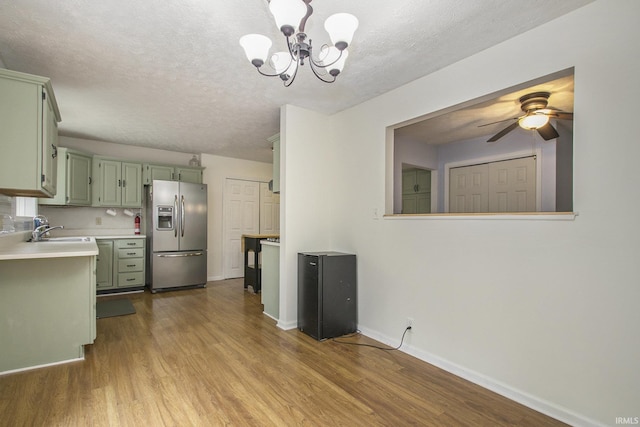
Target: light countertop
(121, 236)
(51, 249)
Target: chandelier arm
(319, 65)
(290, 80)
(319, 76)
(266, 74)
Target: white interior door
(512, 185)
(241, 216)
(502, 186)
(469, 189)
(269, 210)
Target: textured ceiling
(171, 75)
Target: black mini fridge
(327, 305)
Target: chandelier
(291, 17)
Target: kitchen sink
(66, 239)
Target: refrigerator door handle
(182, 216)
(179, 255)
(175, 209)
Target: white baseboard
(287, 325)
(46, 365)
(214, 278)
(526, 399)
(268, 315)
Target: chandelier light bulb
(333, 59)
(288, 14)
(341, 27)
(256, 47)
(533, 121)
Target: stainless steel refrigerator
(176, 229)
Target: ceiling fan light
(331, 58)
(288, 14)
(341, 27)
(533, 121)
(256, 47)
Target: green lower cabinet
(122, 265)
(48, 308)
(104, 265)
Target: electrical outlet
(98, 220)
(409, 322)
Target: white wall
(545, 312)
(306, 197)
(217, 170)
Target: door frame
(537, 152)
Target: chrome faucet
(41, 227)
(41, 230)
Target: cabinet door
(424, 202)
(104, 264)
(108, 183)
(423, 181)
(409, 181)
(131, 185)
(152, 172)
(275, 140)
(49, 145)
(78, 186)
(189, 175)
(409, 203)
(28, 135)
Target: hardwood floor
(209, 357)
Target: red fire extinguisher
(136, 229)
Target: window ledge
(535, 216)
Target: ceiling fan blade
(548, 132)
(562, 115)
(503, 132)
(556, 114)
(499, 121)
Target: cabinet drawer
(129, 243)
(130, 253)
(130, 279)
(130, 264)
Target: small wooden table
(252, 273)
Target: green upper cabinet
(116, 183)
(74, 179)
(29, 119)
(193, 175)
(171, 173)
(275, 143)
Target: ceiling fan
(536, 117)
